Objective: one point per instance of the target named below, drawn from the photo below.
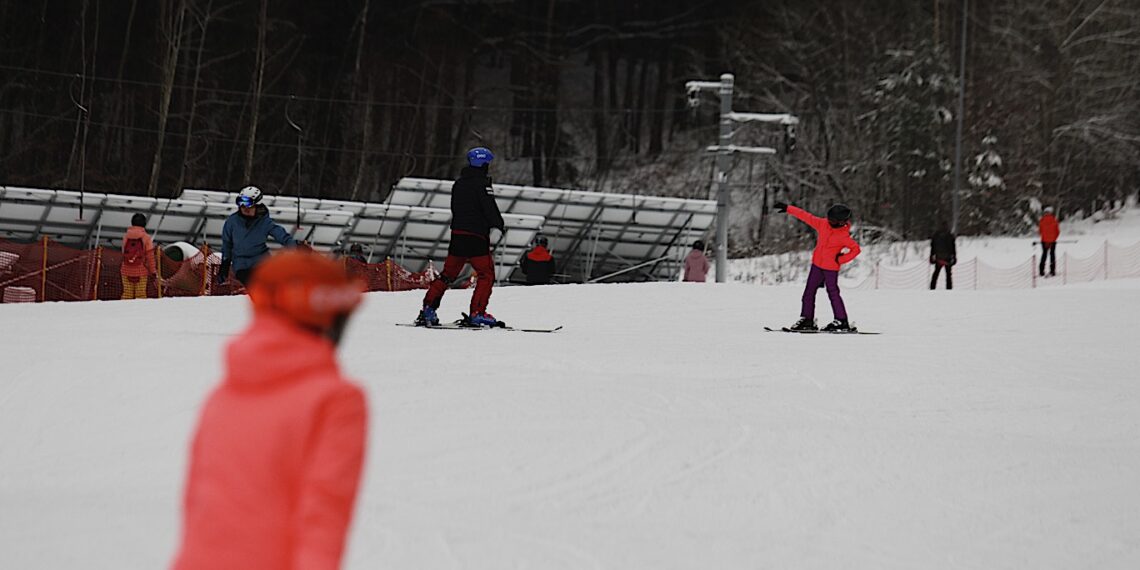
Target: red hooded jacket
(1049, 228)
(276, 460)
(830, 242)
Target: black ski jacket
(473, 207)
(942, 246)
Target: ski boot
(838, 325)
(427, 317)
(484, 320)
(804, 324)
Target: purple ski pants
(823, 278)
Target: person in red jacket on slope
(834, 247)
(276, 459)
(1049, 230)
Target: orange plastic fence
(46, 271)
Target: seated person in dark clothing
(538, 264)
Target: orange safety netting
(46, 271)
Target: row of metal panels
(592, 233)
(29, 213)
(412, 235)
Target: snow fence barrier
(1110, 261)
(54, 272)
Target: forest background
(342, 98)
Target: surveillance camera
(694, 96)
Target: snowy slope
(660, 429)
(1080, 238)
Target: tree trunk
(172, 26)
(259, 76)
(194, 97)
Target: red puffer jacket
(276, 460)
(831, 241)
(1049, 228)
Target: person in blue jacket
(244, 235)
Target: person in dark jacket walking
(473, 214)
(943, 254)
(244, 235)
(538, 264)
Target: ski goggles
(245, 201)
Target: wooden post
(1106, 259)
(1033, 271)
(98, 268)
(388, 267)
(205, 267)
(877, 274)
(158, 271)
(43, 274)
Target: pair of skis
(461, 325)
(817, 331)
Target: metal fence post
(43, 273)
(98, 269)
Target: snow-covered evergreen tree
(910, 127)
(985, 192)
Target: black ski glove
(223, 273)
(781, 207)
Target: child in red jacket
(833, 248)
(138, 259)
(276, 459)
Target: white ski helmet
(249, 196)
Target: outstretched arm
(282, 236)
(817, 223)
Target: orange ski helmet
(305, 287)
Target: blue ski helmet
(479, 156)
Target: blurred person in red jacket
(696, 264)
(834, 247)
(538, 264)
(1050, 230)
(138, 259)
(276, 460)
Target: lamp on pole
(724, 151)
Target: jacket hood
(274, 351)
(135, 232)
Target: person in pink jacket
(276, 460)
(834, 247)
(696, 264)
(138, 259)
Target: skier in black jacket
(473, 214)
(942, 254)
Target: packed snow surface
(662, 428)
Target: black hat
(699, 245)
(138, 220)
(541, 240)
(839, 214)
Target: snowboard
(788, 330)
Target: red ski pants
(484, 268)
